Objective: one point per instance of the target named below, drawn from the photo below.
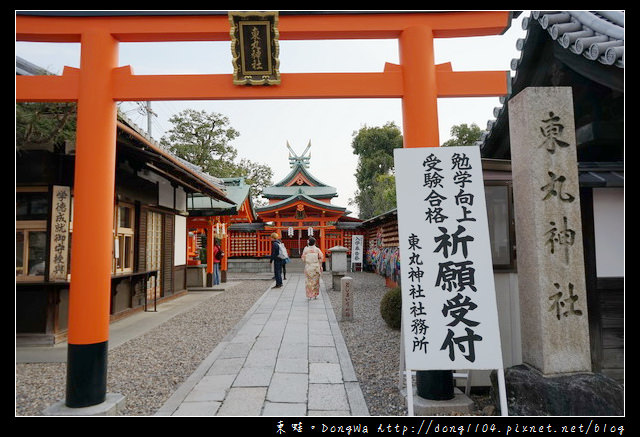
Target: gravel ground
(375, 348)
(149, 368)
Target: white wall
(508, 302)
(608, 217)
(180, 241)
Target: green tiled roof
(274, 192)
(300, 196)
(236, 190)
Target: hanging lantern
(290, 231)
(310, 231)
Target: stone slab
(321, 354)
(112, 405)
(226, 366)
(325, 373)
(254, 377)
(243, 401)
(210, 388)
(288, 387)
(327, 397)
(198, 409)
(292, 365)
(282, 409)
(460, 404)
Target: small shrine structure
(299, 207)
(210, 218)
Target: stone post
(338, 265)
(347, 297)
(551, 275)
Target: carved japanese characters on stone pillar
(555, 332)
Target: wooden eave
(168, 166)
(290, 179)
(292, 203)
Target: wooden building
(211, 218)
(585, 51)
(149, 229)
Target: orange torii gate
(99, 83)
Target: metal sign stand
(408, 373)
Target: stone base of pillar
(112, 406)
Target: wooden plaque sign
(254, 46)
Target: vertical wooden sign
(59, 244)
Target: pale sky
(265, 126)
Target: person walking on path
(275, 258)
(218, 254)
(312, 257)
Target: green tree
(374, 173)
(464, 135)
(204, 139)
(44, 123)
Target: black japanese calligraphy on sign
(255, 48)
(551, 130)
(357, 242)
(559, 236)
(559, 302)
(417, 309)
(449, 312)
(555, 188)
(59, 243)
(470, 338)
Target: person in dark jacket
(218, 254)
(277, 261)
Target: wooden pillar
(225, 245)
(323, 244)
(419, 102)
(420, 129)
(210, 252)
(92, 245)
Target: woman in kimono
(312, 257)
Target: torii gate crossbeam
(99, 83)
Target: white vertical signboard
(449, 312)
(357, 244)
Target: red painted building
(300, 206)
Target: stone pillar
(347, 297)
(551, 275)
(338, 265)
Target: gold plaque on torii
(255, 49)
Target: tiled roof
(596, 35)
(274, 192)
(300, 196)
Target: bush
(391, 307)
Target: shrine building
(299, 207)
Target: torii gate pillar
(419, 103)
(93, 210)
(100, 83)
